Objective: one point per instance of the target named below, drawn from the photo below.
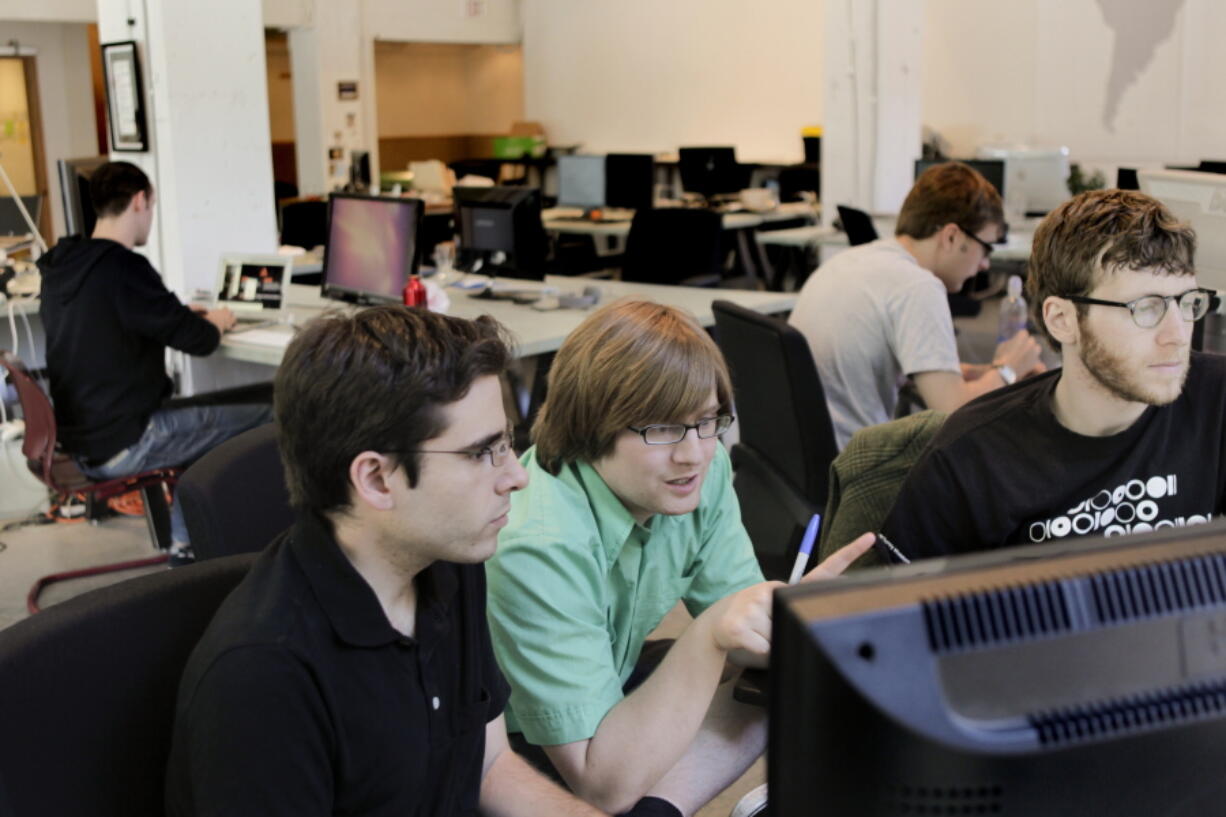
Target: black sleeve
(147, 308)
(931, 515)
(258, 739)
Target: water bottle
(1012, 311)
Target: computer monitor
(74, 174)
(630, 180)
(1212, 166)
(1199, 199)
(1126, 178)
(1083, 677)
(372, 247)
(501, 228)
(12, 222)
(581, 181)
(991, 169)
(711, 171)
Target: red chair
(60, 473)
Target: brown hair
(112, 186)
(1098, 231)
(949, 193)
(629, 363)
(376, 380)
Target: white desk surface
(739, 220)
(535, 332)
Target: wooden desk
(535, 332)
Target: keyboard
(274, 338)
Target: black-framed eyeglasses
(496, 452)
(670, 433)
(1149, 310)
(987, 248)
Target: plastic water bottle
(1012, 311)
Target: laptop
(253, 287)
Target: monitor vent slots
(1153, 590)
(994, 617)
(1140, 713)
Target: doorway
(21, 147)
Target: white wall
(48, 11)
(65, 93)
(445, 21)
(645, 75)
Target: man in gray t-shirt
(877, 314)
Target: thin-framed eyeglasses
(496, 452)
(671, 433)
(987, 248)
(1149, 310)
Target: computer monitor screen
(74, 174)
(991, 169)
(630, 180)
(581, 181)
(501, 232)
(1126, 178)
(711, 171)
(252, 283)
(372, 247)
(1084, 677)
(1199, 199)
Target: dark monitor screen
(1076, 678)
(630, 180)
(1126, 178)
(501, 228)
(372, 247)
(991, 169)
(711, 171)
(74, 174)
(581, 181)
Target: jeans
(178, 436)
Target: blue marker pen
(806, 548)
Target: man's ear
(370, 475)
(948, 236)
(1060, 318)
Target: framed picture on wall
(125, 100)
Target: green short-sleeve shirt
(577, 585)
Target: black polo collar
(350, 603)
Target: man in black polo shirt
(351, 671)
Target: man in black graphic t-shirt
(1129, 436)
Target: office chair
(234, 497)
(304, 224)
(87, 694)
(58, 471)
(674, 245)
(787, 442)
(857, 224)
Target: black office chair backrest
(857, 224)
(782, 460)
(87, 692)
(673, 245)
(797, 179)
(304, 224)
(234, 497)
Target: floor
(31, 551)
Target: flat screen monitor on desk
(79, 217)
(581, 181)
(501, 231)
(1199, 199)
(372, 247)
(630, 180)
(1085, 677)
(711, 171)
(991, 169)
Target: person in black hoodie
(108, 319)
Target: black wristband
(653, 807)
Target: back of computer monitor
(372, 247)
(501, 228)
(630, 180)
(1084, 677)
(710, 171)
(1197, 198)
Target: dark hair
(112, 186)
(1097, 232)
(376, 380)
(949, 193)
(631, 362)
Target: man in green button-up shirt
(629, 508)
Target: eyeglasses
(987, 248)
(496, 451)
(1149, 310)
(670, 433)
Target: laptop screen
(251, 284)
